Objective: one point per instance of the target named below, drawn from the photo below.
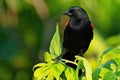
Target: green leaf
(109, 76)
(70, 73)
(106, 51)
(79, 66)
(117, 60)
(109, 63)
(58, 69)
(39, 65)
(110, 54)
(48, 57)
(110, 66)
(43, 71)
(88, 69)
(49, 71)
(55, 45)
(118, 73)
(50, 76)
(103, 71)
(55, 71)
(96, 74)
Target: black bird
(77, 34)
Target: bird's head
(76, 12)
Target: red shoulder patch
(67, 22)
(92, 25)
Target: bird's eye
(72, 10)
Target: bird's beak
(67, 13)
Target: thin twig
(67, 61)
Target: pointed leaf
(112, 64)
(70, 73)
(96, 74)
(50, 76)
(55, 45)
(79, 66)
(88, 69)
(39, 65)
(109, 76)
(48, 57)
(58, 69)
(103, 72)
(41, 72)
(110, 54)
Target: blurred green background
(27, 26)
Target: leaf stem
(68, 61)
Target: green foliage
(55, 45)
(70, 73)
(55, 67)
(87, 67)
(48, 71)
(110, 66)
